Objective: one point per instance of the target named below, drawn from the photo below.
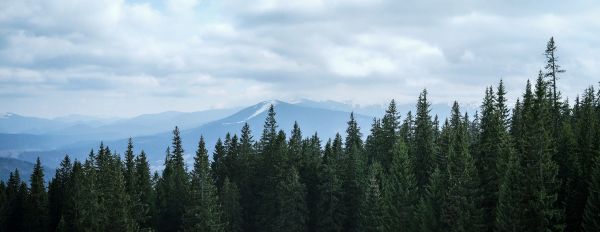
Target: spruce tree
(330, 212)
(203, 211)
(510, 211)
(218, 166)
(292, 212)
(460, 211)
(353, 177)
(37, 201)
(57, 192)
(172, 192)
(145, 210)
(591, 213)
(401, 192)
(232, 211)
(390, 126)
(423, 148)
(248, 182)
(552, 69)
(129, 171)
(540, 169)
(15, 206)
(430, 204)
(373, 216)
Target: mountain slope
(327, 122)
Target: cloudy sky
(123, 58)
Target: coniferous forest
(531, 167)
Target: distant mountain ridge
(152, 132)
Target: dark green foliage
(37, 201)
(144, 211)
(14, 207)
(424, 146)
(460, 211)
(57, 192)
(430, 205)
(591, 214)
(232, 211)
(374, 214)
(330, 214)
(203, 211)
(172, 189)
(401, 192)
(509, 212)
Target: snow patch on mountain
(263, 107)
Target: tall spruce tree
(424, 147)
(353, 177)
(14, 209)
(37, 201)
(539, 168)
(173, 192)
(203, 212)
(431, 203)
(401, 192)
(145, 211)
(232, 211)
(373, 216)
(460, 211)
(57, 192)
(510, 211)
(330, 212)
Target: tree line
(535, 167)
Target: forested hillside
(535, 167)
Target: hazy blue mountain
(8, 165)
(328, 117)
(327, 122)
(29, 134)
(15, 124)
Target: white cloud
(138, 56)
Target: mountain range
(26, 138)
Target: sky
(116, 58)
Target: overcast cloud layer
(123, 58)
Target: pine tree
(423, 148)
(460, 211)
(292, 210)
(552, 69)
(14, 210)
(540, 169)
(330, 212)
(37, 202)
(390, 126)
(248, 181)
(232, 211)
(591, 214)
(145, 210)
(112, 195)
(203, 212)
(401, 192)
(309, 167)
(218, 166)
(57, 192)
(493, 146)
(129, 170)
(353, 177)
(172, 189)
(431, 203)
(510, 211)
(373, 217)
